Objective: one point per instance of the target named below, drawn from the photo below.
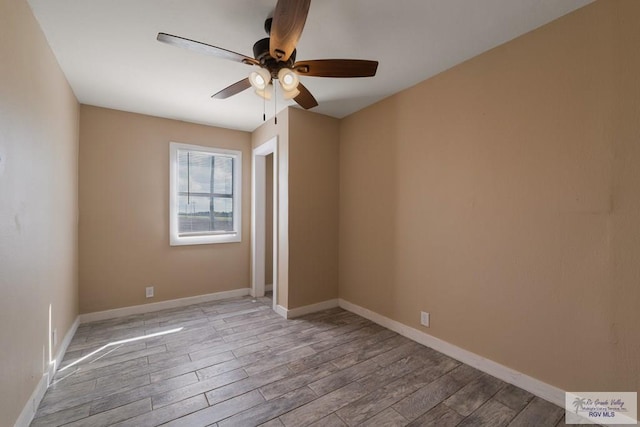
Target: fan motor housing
(262, 54)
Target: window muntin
(205, 195)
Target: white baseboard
(162, 305)
(281, 311)
(29, 410)
(55, 363)
(307, 309)
(511, 376)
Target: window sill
(204, 240)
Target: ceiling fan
(276, 58)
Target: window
(205, 195)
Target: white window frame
(228, 237)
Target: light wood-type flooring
(237, 363)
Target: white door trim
(258, 226)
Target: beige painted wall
(124, 213)
(624, 237)
(313, 207)
(38, 205)
(502, 196)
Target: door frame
(258, 220)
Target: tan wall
(124, 213)
(624, 243)
(502, 196)
(38, 205)
(313, 208)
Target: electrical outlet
(424, 318)
(149, 292)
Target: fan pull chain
(264, 109)
(275, 100)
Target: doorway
(264, 220)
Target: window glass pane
(195, 214)
(223, 175)
(196, 171)
(223, 211)
(182, 170)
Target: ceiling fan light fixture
(290, 94)
(265, 93)
(260, 79)
(288, 79)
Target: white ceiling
(109, 53)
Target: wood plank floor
(237, 363)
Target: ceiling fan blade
(235, 88)
(289, 18)
(336, 68)
(305, 99)
(205, 48)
